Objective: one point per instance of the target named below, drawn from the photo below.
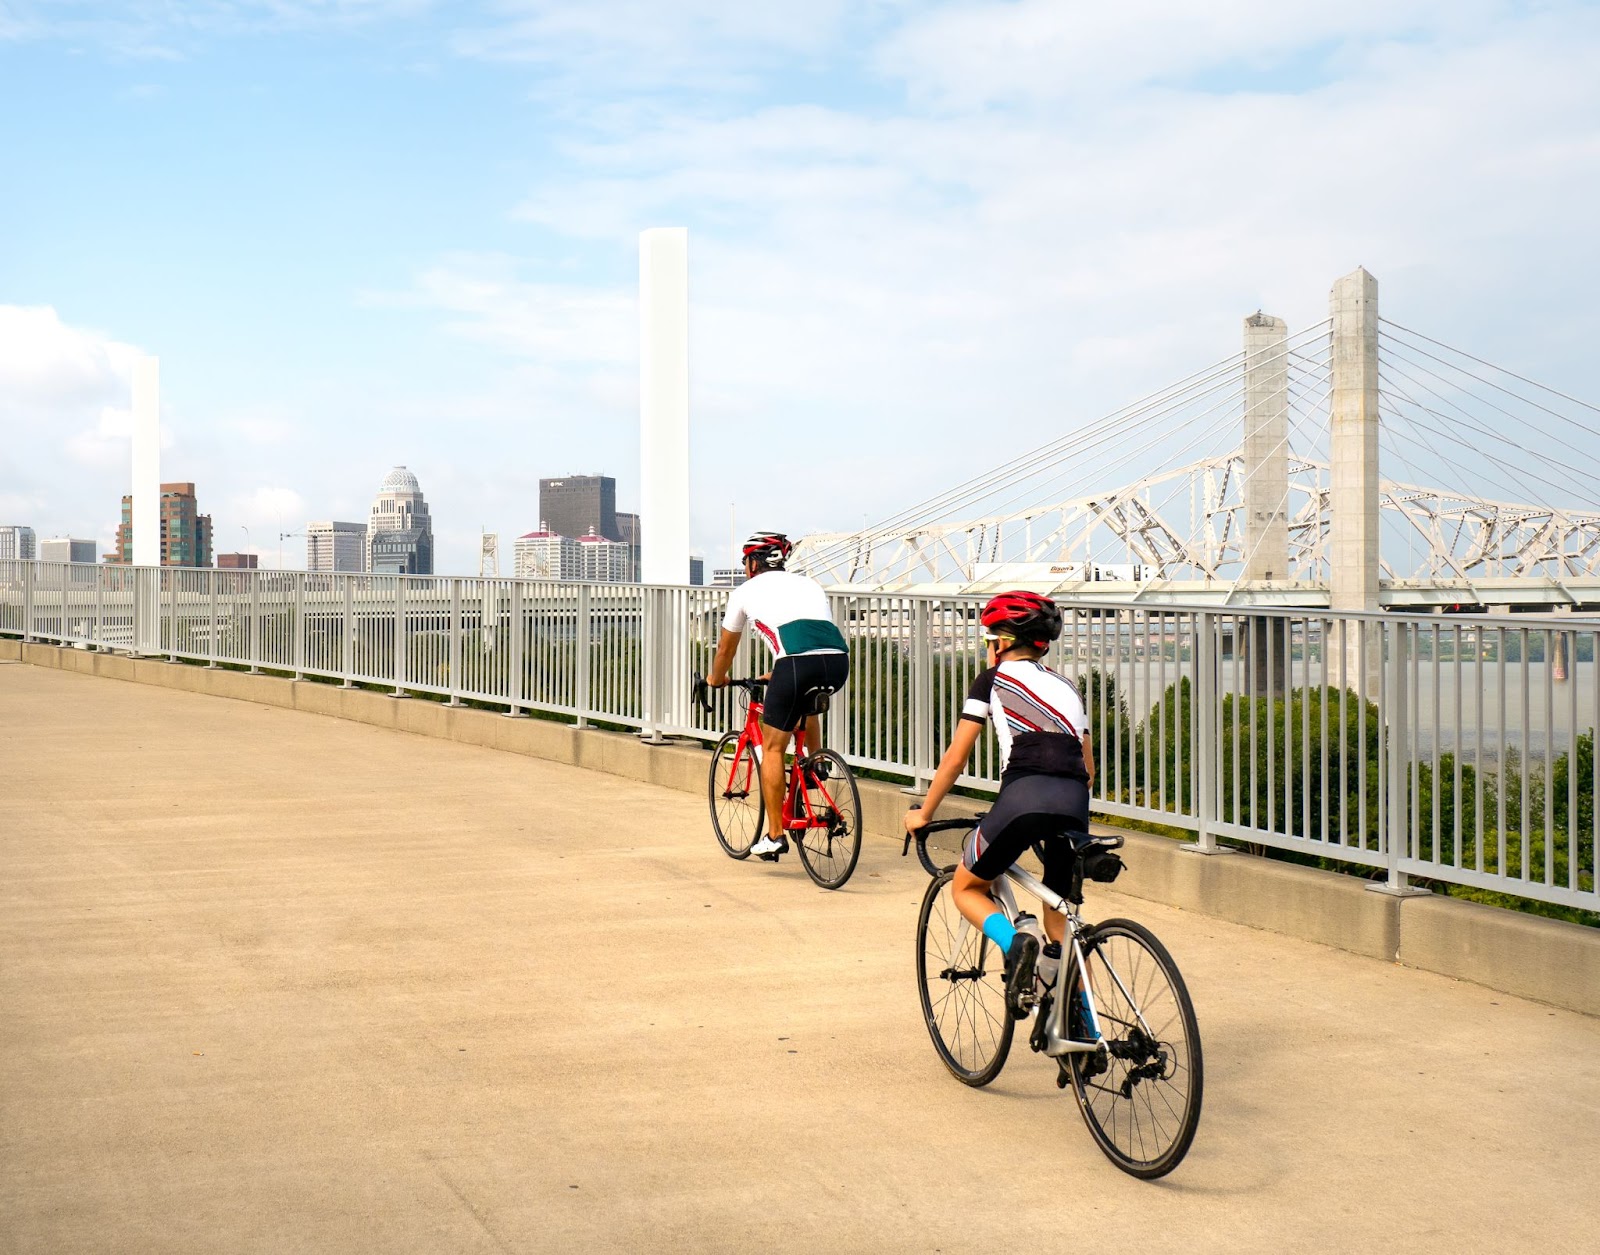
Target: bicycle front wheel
(830, 840)
(735, 792)
(1140, 1095)
(961, 981)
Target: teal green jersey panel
(805, 636)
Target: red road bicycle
(821, 805)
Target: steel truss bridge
(1519, 525)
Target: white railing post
(299, 626)
(99, 607)
(652, 631)
(835, 728)
(28, 575)
(516, 670)
(584, 629)
(398, 665)
(174, 578)
(211, 638)
(1394, 716)
(347, 660)
(921, 692)
(1203, 727)
(253, 652)
(455, 643)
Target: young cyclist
(790, 613)
(1046, 769)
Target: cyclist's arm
(1088, 757)
(727, 646)
(951, 766)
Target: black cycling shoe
(1021, 960)
(815, 770)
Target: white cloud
(164, 30)
(903, 286)
(632, 45)
(968, 54)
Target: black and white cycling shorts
(1037, 812)
(795, 675)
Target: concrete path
(274, 982)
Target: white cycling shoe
(770, 847)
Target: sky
(362, 233)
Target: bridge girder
(1464, 539)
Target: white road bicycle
(1117, 1018)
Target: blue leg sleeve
(997, 928)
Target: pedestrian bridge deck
(275, 981)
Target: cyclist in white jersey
(789, 613)
(1046, 770)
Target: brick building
(185, 532)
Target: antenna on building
(489, 556)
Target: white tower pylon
(489, 556)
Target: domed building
(399, 531)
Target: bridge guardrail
(1455, 748)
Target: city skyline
(904, 221)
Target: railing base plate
(1407, 891)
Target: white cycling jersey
(788, 611)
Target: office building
(332, 546)
(545, 555)
(185, 532)
(602, 561)
(575, 505)
(399, 530)
(727, 577)
(236, 562)
(18, 542)
(697, 570)
(628, 534)
(66, 549)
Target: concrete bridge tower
(1353, 462)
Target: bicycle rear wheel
(962, 985)
(734, 787)
(1140, 1096)
(830, 843)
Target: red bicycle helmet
(768, 548)
(1031, 618)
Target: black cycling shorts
(1035, 811)
(793, 676)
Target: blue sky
(367, 232)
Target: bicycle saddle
(815, 701)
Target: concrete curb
(1529, 956)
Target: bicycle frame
(1057, 1043)
(806, 816)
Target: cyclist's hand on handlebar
(915, 820)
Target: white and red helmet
(768, 549)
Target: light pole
(246, 532)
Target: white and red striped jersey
(1019, 698)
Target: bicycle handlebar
(702, 691)
(920, 836)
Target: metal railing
(1455, 748)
